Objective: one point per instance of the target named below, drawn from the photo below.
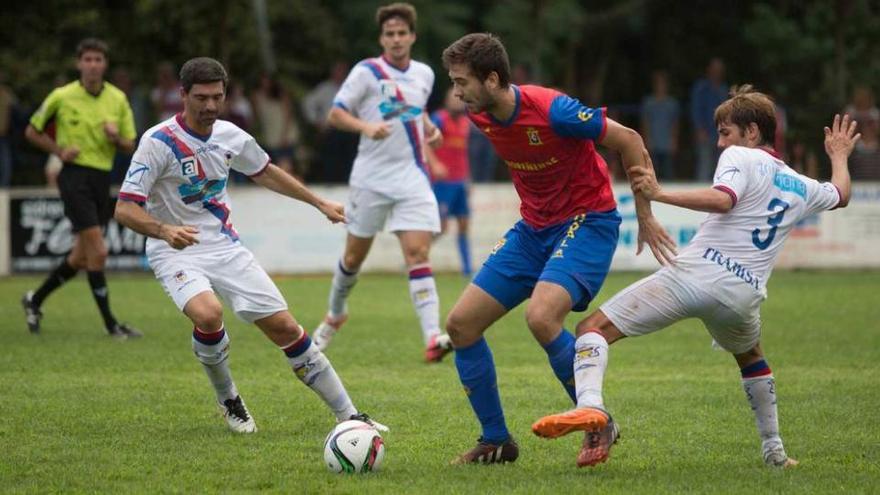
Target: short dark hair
(746, 106)
(92, 45)
(403, 10)
(202, 70)
(483, 53)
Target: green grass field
(84, 413)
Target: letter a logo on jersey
(188, 166)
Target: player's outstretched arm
(275, 179)
(633, 154)
(131, 215)
(709, 200)
(840, 139)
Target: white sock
(343, 281)
(423, 292)
(590, 361)
(313, 368)
(761, 392)
(215, 360)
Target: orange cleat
(589, 419)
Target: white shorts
(657, 301)
(234, 274)
(367, 212)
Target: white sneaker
(237, 416)
(326, 330)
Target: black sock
(61, 274)
(102, 297)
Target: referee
(92, 120)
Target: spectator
(140, 107)
(863, 106)
(864, 163)
(166, 95)
(660, 113)
(237, 108)
(706, 94)
(336, 149)
(7, 105)
(278, 127)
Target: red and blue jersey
(454, 150)
(548, 145)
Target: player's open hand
(179, 236)
(334, 211)
(377, 130)
(660, 242)
(841, 138)
(434, 137)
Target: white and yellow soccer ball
(354, 447)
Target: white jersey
(733, 253)
(376, 91)
(181, 177)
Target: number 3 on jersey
(773, 221)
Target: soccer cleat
(123, 331)
(597, 444)
(439, 346)
(322, 335)
(370, 421)
(237, 416)
(557, 425)
(489, 453)
(32, 312)
(776, 458)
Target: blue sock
(560, 353)
(464, 251)
(476, 370)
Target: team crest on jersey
(228, 156)
(534, 137)
(188, 167)
(180, 277)
(584, 116)
(388, 89)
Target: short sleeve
(354, 89)
(437, 120)
(149, 160)
(126, 120)
(47, 111)
(251, 159)
(821, 196)
(731, 177)
(570, 118)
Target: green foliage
(88, 414)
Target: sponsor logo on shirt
(727, 174)
(533, 167)
(732, 266)
(584, 116)
(790, 183)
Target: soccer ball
(354, 447)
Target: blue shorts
(575, 255)
(452, 198)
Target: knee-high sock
(423, 292)
(760, 388)
(343, 281)
(560, 353)
(61, 274)
(464, 250)
(313, 368)
(98, 283)
(476, 370)
(590, 361)
(212, 350)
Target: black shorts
(85, 192)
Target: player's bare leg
(344, 279)
(760, 388)
(416, 246)
(545, 316)
(210, 344)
